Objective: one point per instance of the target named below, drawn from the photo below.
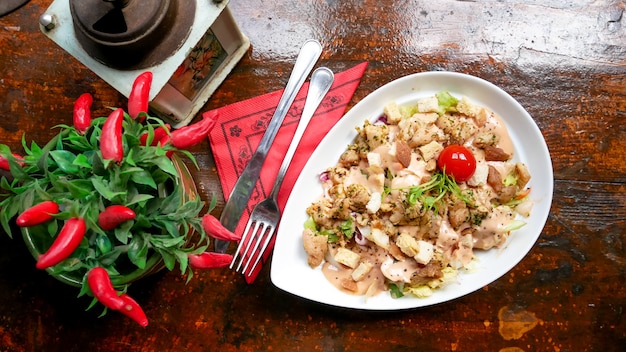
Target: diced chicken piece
(494, 179)
(376, 182)
(427, 118)
(429, 104)
(506, 194)
(419, 129)
(485, 138)
(458, 213)
(363, 269)
(447, 238)
(374, 203)
(392, 111)
(495, 154)
(431, 150)
(320, 211)
(358, 195)
(350, 157)
(376, 135)
(315, 246)
(425, 252)
(337, 174)
(408, 244)
(379, 237)
(482, 117)
(417, 168)
(459, 129)
(480, 175)
(463, 254)
(347, 257)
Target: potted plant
(108, 201)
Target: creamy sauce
(372, 284)
(373, 183)
(496, 125)
(491, 231)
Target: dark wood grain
(564, 61)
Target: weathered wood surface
(564, 61)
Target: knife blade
(239, 196)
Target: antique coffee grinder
(190, 46)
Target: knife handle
(309, 54)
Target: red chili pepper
(100, 284)
(215, 229)
(188, 136)
(4, 161)
(139, 94)
(133, 310)
(67, 241)
(209, 260)
(111, 137)
(82, 112)
(37, 214)
(159, 133)
(114, 215)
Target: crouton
(408, 244)
(374, 159)
(347, 257)
(429, 104)
(478, 113)
(392, 112)
(363, 269)
(431, 150)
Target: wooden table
(564, 61)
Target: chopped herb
(395, 290)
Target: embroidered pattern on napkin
(241, 126)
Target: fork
(266, 215)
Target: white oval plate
(290, 271)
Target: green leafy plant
(121, 217)
(70, 171)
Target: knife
(239, 196)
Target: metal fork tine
(267, 241)
(253, 253)
(242, 241)
(250, 237)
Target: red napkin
(240, 127)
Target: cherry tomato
(457, 162)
